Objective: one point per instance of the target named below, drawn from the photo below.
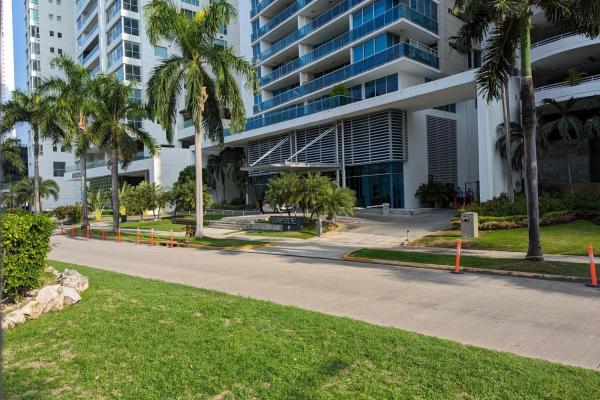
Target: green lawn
(571, 238)
(134, 338)
(145, 238)
(505, 264)
(165, 224)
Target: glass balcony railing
(313, 25)
(411, 50)
(391, 16)
(84, 38)
(296, 112)
(103, 162)
(279, 18)
(259, 7)
(89, 56)
(81, 22)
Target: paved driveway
(551, 320)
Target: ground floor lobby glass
(375, 184)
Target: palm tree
(336, 201)
(10, 153)
(25, 190)
(215, 169)
(509, 26)
(207, 73)
(114, 123)
(34, 109)
(74, 104)
(569, 126)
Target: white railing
(423, 47)
(588, 79)
(554, 39)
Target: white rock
(71, 295)
(32, 309)
(51, 298)
(74, 279)
(12, 318)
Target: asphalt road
(544, 319)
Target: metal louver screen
(441, 149)
(370, 138)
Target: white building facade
(7, 56)
(370, 92)
(50, 32)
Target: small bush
(60, 212)
(74, 213)
(25, 245)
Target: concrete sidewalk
(545, 319)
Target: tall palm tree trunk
(199, 206)
(115, 190)
(37, 204)
(83, 181)
(509, 176)
(534, 251)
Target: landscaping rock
(52, 270)
(71, 295)
(51, 298)
(73, 279)
(13, 318)
(32, 309)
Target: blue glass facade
(375, 184)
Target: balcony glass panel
(313, 25)
(279, 18)
(260, 6)
(418, 53)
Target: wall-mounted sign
(289, 223)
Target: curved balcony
(279, 18)
(589, 86)
(391, 16)
(312, 26)
(421, 54)
(561, 47)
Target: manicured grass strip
(571, 238)
(505, 264)
(145, 238)
(134, 338)
(166, 224)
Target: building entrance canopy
(288, 166)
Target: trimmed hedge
(25, 245)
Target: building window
(132, 50)
(35, 32)
(35, 48)
(223, 29)
(51, 49)
(58, 2)
(375, 45)
(136, 95)
(192, 2)
(55, 148)
(60, 51)
(34, 15)
(131, 5)
(58, 18)
(52, 33)
(35, 65)
(380, 86)
(131, 26)
(160, 51)
(113, 32)
(132, 73)
(59, 35)
(115, 55)
(59, 168)
(51, 17)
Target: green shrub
(60, 212)
(25, 244)
(436, 194)
(74, 213)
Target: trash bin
(469, 225)
(386, 208)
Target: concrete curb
(518, 274)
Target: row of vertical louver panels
(376, 137)
(441, 149)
